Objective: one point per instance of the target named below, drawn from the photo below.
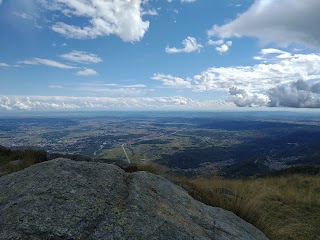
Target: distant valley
(231, 144)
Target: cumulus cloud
(243, 98)
(222, 46)
(262, 76)
(46, 62)
(283, 79)
(86, 72)
(282, 22)
(315, 88)
(104, 103)
(81, 57)
(298, 94)
(189, 45)
(118, 17)
(171, 81)
(259, 77)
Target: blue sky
(159, 54)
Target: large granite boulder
(65, 199)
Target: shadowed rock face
(64, 199)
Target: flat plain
(236, 144)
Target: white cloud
(117, 17)
(243, 98)
(222, 49)
(1, 2)
(285, 55)
(151, 12)
(135, 86)
(59, 45)
(282, 22)
(229, 43)
(189, 45)
(262, 76)
(106, 103)
(279, 53)
(171, 81)
(86, 72)
(222, 46)
(24, 15)
(250, 85)
(267, 51)
(4, 65)
(55, 86)
(298, 94)
(46, 62)
(258, 58)
(183, 1)
(217, 42)
(81, 57)
(188, 1)
(272, 51)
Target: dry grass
(282, 207)
(153, 168)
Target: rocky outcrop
(65, 199)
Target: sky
(159, 54)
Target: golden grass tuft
(285, 207)
(152, 167)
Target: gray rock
(65, 199)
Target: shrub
(15, 160)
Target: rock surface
(65, 199)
